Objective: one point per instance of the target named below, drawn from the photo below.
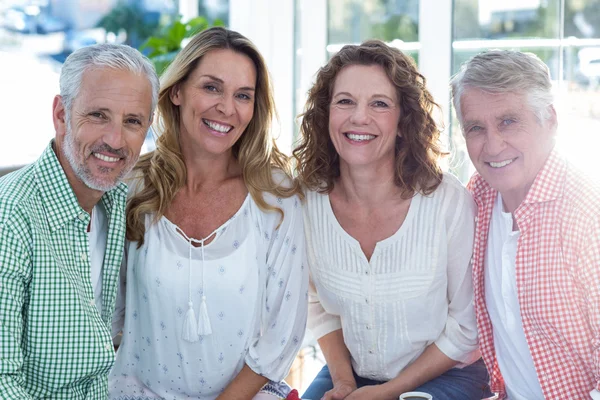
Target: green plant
(167, 42)
(131, 19)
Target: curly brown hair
(417, 150)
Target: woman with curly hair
(389, 236)
(214, 286)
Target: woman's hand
(340, 390)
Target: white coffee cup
(415, 396)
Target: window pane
(353, 21)
(488, 19)
(578, 107)
(393, 21)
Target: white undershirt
(97, 236)
(512, 350)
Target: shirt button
(92, 302)
(371, 352)
(367, 300)
(366, 272)
(83, 256)
(81, 216)
(108, 347)
(368, 327)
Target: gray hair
(501, 71)
(106, 55)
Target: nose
(360, 115)
(115, 136)
(226, 106)
(494, 142)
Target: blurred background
(296, 37)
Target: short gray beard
(80, 169)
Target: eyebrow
(129, 115)
(375, 95)
(508, 114)
(221, 81)
(470, 123)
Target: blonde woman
(214, 287)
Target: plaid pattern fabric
(54, 344)
(558, 279)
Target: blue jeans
(469, 383)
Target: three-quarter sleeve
(320, 322)
(284, 306)
(458, 340)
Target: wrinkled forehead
(476, 102)
(115, 88)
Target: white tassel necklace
(192, 328)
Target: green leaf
(177, 33)
(165, 42)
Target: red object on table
(293, 395)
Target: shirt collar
(549, 182)
(57, 194)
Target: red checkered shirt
(558, 279)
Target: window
(354, 21)
(565, 34)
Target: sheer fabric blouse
(415, 290)
(255, 285)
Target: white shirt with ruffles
(415, 290)
(255, 285)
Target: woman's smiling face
(216, 102)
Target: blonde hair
(417, 150)
(163, 170)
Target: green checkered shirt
(54, 342)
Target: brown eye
(380, 103)
(134, 121)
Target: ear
(58, 116)
(175, 95)
(552, 119)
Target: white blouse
(255, 285)
(416, 289)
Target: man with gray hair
(536, 260)
(62, 229)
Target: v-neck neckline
(173, 227)
(415, 201)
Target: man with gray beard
(62, 229)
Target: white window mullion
(270, 25)
(435, 53)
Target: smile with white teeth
(501, 164)
(106, 158)
(359, 137)
(217, 127)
